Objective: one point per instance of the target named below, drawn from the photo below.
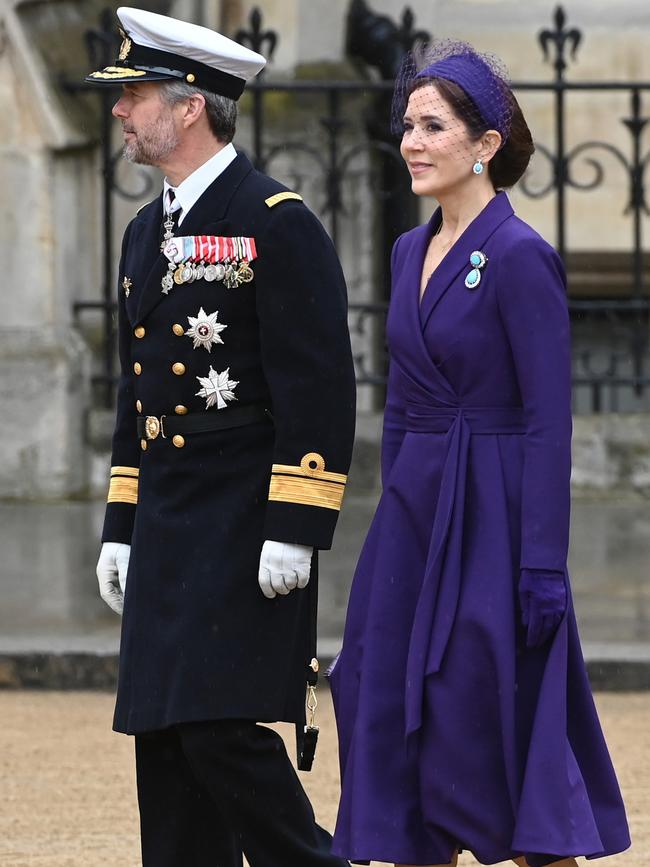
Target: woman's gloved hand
(543, 601)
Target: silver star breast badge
(217, 388)
(204, 329)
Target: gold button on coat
(179, 368)
(139, 331)
(178, 441)
(180, 409)
(143, 445)
(137, 368)
(178, 330)
(138, 405)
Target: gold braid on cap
(117, 72)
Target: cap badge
(125, 48)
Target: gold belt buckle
(154, 426)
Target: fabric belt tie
(150, 426)
(440, 591)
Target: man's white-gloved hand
(112, 567)
(283, 567)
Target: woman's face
(435, 144)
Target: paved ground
(67, 793)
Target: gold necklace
(447, 244)
(443, 249)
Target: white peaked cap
(157, 47)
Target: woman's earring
(477, 168)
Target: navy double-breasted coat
(199, 640)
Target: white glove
(112, 567)
(283, 567)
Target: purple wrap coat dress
(453, 734)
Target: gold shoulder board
(272, 201)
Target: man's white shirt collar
(192, 188)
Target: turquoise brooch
(478, 261)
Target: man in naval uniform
(233, 437)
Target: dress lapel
(210, 207)
(406, 340)
(456, 261)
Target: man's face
(150, 133)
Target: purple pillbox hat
(482, 77)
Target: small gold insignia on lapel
(126, 285)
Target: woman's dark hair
(510, 162)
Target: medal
(210, 273)
(245, 273)
(230, 280)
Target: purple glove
(543, 600)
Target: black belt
(151, 426)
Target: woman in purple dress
(465, 717)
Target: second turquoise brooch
(478, 261)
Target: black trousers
(209, 791)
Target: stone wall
(47, 249)
(610, 454)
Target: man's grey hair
(221, 111)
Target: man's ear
(194, 108)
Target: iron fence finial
(256, 38)
(560, 38)
(408, 36)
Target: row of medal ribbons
(210, 258)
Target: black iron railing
(611, 358)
